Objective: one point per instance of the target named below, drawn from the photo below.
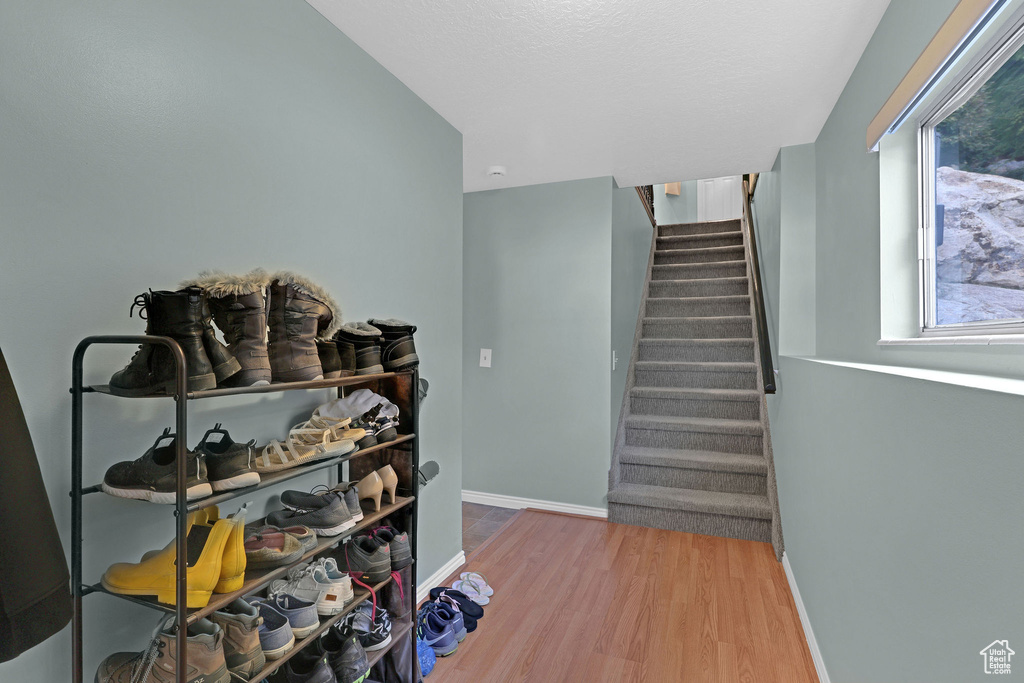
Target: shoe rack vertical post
(78, 590)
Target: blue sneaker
(426, 655)
(437, 632)
(449, 611)
(276, 636)
(301, 614)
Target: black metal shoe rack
(402, 453)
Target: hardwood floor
(579, 599)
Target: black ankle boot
(399, 351)
(363, 341)
(330, 360)
(224, 362)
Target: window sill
(964, 340)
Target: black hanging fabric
(35, 595)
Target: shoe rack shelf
(402, 453)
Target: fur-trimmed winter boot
(398, 351)
(300, 311)
(362, 341)
(178, 315)
(239, 304)
(225, 365)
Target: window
(972, 161)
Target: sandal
(472, 591)
(480, 580)
(279, 456)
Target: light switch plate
(485, 358)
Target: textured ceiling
(648, 91)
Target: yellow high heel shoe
(232, 569)
(389, 479)
(156, 575)
(371, 486)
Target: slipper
(472, 590)
(480, 581)
(468, 607)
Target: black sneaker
(398, 543)
(154, 476)
(345, 655)
(372, 626)
(229, 465)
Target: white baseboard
(812, 643)
(516, 503)
(435, 579)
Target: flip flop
(480, 581)
(468, 607)
(472, 590)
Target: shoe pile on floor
(452, 613)
(280, 328)
(237, 640)
(218, 463)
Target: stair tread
(683, 341)
(715, 425)
(704, 264)
(695, 250)
(725, 298)
(723, 222)
(693, 459)
(692, 500)
(697, 237)
(701, 393)
(681, 366)
(683, 318)
(734, 279)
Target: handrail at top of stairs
(761, 318)
(646, 193)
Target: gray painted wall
(537, 279)
(895, 492)
(681, 208)
(142, 144)
(631, 249)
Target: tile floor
(479, 522)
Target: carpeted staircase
(692, 451)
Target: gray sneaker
(329, 520)
(366, 560)
(318, 498)
(276, 636)
(398, 543)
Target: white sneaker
(312, 583)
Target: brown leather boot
(240, 622)
(300, 311)
(239, 304)
(158, 664)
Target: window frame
(972, 77)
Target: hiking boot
(178, 315)
(330, 360)
(330, 519)
(240, 623)
(372, 626)
(345, 655)
(154, 476)
(300, 312)
(363, 341)
(398, 352)
(239, 306)
(309, 665)
(158, 663)
(229, 465)
(397, 542)
(366, 560)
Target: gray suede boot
(300, 311)
(362, 341)
(239, 304)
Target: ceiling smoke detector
(496, 171)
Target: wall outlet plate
(485, 358)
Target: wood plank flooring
(579, 599)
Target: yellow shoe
(156, 575)
(206, 516)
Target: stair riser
(682, 308)
(696, 379)
(704, 329)
(729, 240)
(682, 478)
(708, 524)
(700, 271)
(691, 353)
(690, 407)
(698, 228)
(696, 441)
(697, 288)
(697, 256)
